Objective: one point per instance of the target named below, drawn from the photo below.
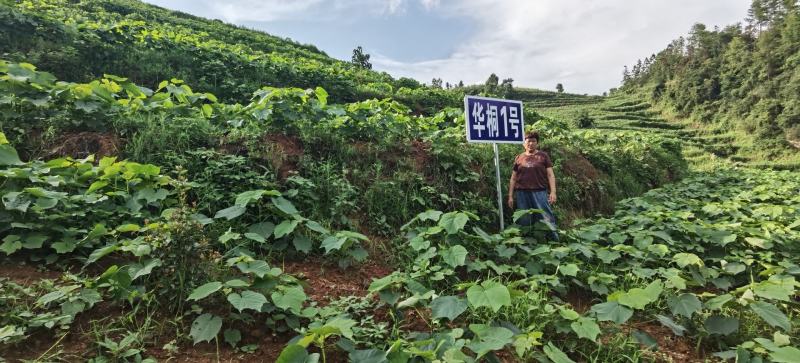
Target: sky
(582, 44)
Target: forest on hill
(177, 188)
(744, 77)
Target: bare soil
(82, 144)
(327, 282)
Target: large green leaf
(290, 298)
(686, 259)
(785, 355)
(247, 300)
(293, 353)
(555, 354)
(491, 294)
(284, 205)
(685, 304)
(257, 267)
(230, 212)
(453, 222)
(204, 290)
(722, 325)
(9, 156)
(489, 338)
(612, 311)
(205, 328)
(586, 328)
(448, 307)
(771, 314)
(285, 227)
(635, 298)
(669, 323)
(455, 255)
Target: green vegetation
(740, 84)
(263, 201)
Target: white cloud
(582, 44)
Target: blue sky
(580, 43)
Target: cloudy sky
(582, 44)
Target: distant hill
(744, 78)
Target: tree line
(745, 75)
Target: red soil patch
(421, 154)
(671, 348)
(23, 274)
(578, 167)
(286, 152)
(326, 283)
(82, 144)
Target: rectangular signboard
(494, 120)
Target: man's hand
(511, 202)
(551, 198)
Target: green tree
(560, 88)
(360, 58)
(491, 84)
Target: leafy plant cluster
(149, 44)
(742, 75)
(712, 258)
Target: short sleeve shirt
(532, 171)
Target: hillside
(175, 188)
(739, 85)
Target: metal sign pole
(499, 191)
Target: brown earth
(671, 348)
(326, 282)
(82, 144)
(282, 152)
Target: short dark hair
(532, 135)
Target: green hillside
(739, 85)
(176, 188)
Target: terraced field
(705, 148)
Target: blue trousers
(528, 199)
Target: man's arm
(551, 180)
(511, 189)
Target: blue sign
(494, 120)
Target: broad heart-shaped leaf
(294, 353)
(205, 328)
(449, 307)
(138, 270)
(722, 325)
(635, 298)
(285, 227)
(785, 355)
(555, 354)
(257, 267)
(489, 338)
(686, 259)
(302, 243)
(455, 255)
(247, 300)
(10, 245)
(284, 205)
(333, 243)
(612, 311)
(368, 356)
(669, 323)
(230, 212)
(685, 304)
(453, 222)
(205, 290)
(771, 314)
(9, 156)
(232, 337)
(645, 339)
(290, 299)
(586, 328)
(490, 293)
(569, 269)
(244, 198)
(429, 215)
